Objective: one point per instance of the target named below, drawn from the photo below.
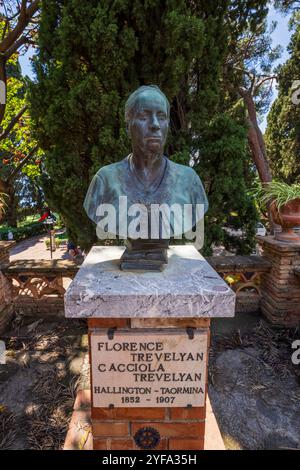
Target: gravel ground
(255, 389)
(38, 382)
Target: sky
(280, 36)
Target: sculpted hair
(130, 103)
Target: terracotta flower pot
(288, 216)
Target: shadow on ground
(253, 385)
(254, 388)
(38, 382)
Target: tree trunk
(255, 138)
(257, 145)
(2, 87)
(40, 199)
(12, 204)
(10, 214)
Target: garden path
(35, 248)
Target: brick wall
(42, 308)
(4, 252)
(179, 428)
(280, 287)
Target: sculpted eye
(142, 116)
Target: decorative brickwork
(243, 274)
(38, 286)
(280, 287)
(270, 282)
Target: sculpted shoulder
(189, 183)
(110, 171)
(182, 170)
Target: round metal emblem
(147, 438)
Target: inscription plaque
(149, 369)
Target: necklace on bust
(155, 183)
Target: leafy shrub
(58, 242)
(25, 231)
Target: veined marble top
(187, 287)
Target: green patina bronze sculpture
(146, 198)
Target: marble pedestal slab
(188, 287)
(176, 303)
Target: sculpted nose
(155, 122)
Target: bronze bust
(147, 183)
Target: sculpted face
(149, 124)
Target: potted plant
(283, 201)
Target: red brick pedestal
(280, 287)
(179, 428)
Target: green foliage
(58, 242)
(29, 219)
(277, 191)
(19, 142)
(231, 207)
(23, 231)
(62, 237)
(283, 131)
(287, 6)
(92, 55)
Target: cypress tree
(92, 55)
(283, 130)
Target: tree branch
(11, 50)
(21, 165)
(24, 19)
(266, 79)
(3, 78)
(246, 72)
(12, 123)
